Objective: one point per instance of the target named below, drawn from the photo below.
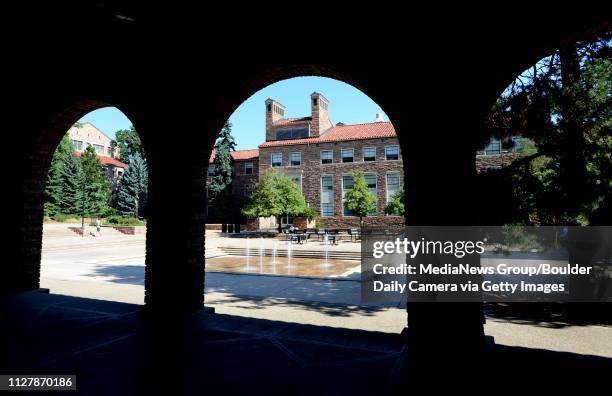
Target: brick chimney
(274, 112)
(320, 117)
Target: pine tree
(223, 175)
(53, 190)
(97, 185)
(131, 197)
(220, 188)
(358, 199)
(129, 143)
(72, 182)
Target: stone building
(320, 157)
(86, 134)
(246, 176)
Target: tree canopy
(563, 105)
(277, 195)
(55, 183)
(97, 186)
(396, 203)
(358, 199)
(129, 143)
(131, 196)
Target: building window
(248, 168)
(327, 196)
(277, 159)
(211, 170)
(297, 178)
(393, 184)
(347, 155)
(369, 153)
(372, 182)
(77, 145)
(99, 149)
(392, 153)
(292, 134)
(327, 156)
(109, 151)
(347, 184)
(494, 147)
(296, 158)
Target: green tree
(129, 143)
(277, 195)
(396, 204)
(132, 192)
(97, 186)
(563, 104)
(220, 188)
(73, 184)
(358, 199)
(54, 188)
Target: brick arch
(39, 155)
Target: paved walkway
(111, 268)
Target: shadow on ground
(119, 349)
(551, 315)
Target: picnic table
(299, 237)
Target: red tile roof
(239, 155)
(343, 133)
(106, 160)
(286, 121)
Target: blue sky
(347, 105)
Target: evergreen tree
(129, 143)
(358, 199)
(73, 183)
(220, 188)
(223, 162)
(396, 204)
(97, 185)
(277, 195)
(131, 197)
(54, 189)
(563, 105)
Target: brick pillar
(440, 191)
(174, 274)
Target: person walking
(98, 225)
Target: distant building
(320, 156)
(86, 134)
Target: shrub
(117, 220)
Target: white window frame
(321, 156)
(342, 157)
(387, 182)
(272, 160)
(398, 152)
(252, 168)
(363, 153)
(321, 193)
(80, 145)
(299, 153)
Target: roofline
(97, 129)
